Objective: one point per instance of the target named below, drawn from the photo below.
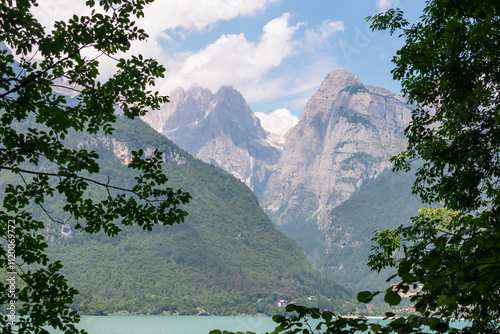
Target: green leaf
(278, 329)
(279, 318)
(328, 316)
(366, 296)
(392, 297)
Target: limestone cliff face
(346, 136)
(220, 129)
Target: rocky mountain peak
(228, 103)
(230, 95)
(195, 93)
(220, 129)
(346, 135)
(179, 91)
(199, 93)
(336, 91)
(338, 80)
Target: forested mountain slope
(385, 203)
(226, 258)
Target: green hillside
(386, 202)
(226, 258)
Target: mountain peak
(343, 138)
(220, 129)
(227, 89)
(337, 80)
(229, 94)
(198, 92)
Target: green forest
(226, 258)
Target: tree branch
(106, 185)
(39, 74)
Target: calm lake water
(158, 324)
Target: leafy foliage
(444, 252)
(310, 320)
(35, 124)
(449, 68)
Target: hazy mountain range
(343, 141)
(219, 129)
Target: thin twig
(78, 177)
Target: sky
(275, 52)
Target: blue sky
(275, 52)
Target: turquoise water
(158, 324)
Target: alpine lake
(160, 324)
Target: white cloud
(384, 5)
(48, 11)
(197, 14)
(324, 31)
(160, 18)
(328, 28)
(233, 60)
(278, 121)
(162, 15)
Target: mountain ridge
(342, 142)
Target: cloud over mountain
(278, 121)
(234, 59)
